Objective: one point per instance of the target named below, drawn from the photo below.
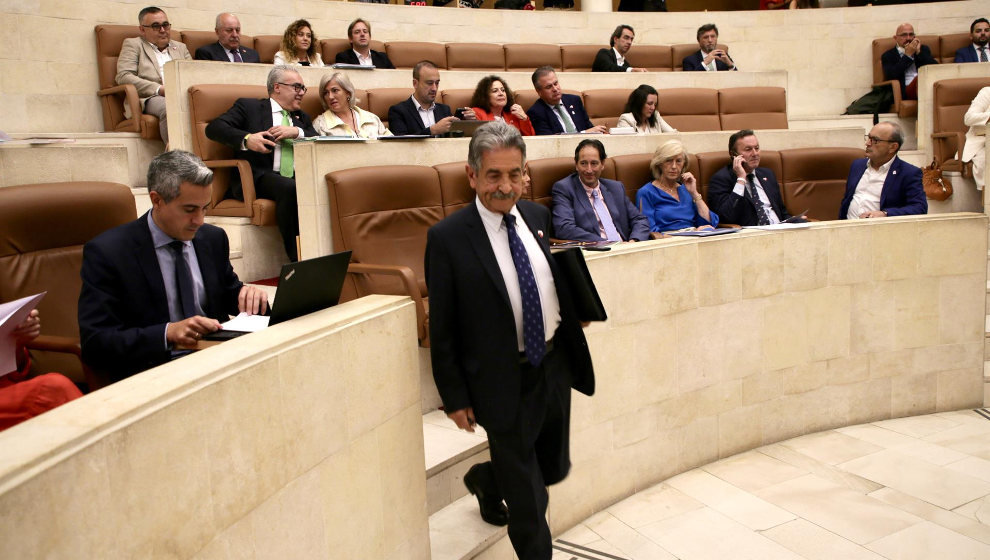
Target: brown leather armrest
(247, 179)
(409, 283)
(131, 100)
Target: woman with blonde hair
(299, 46)
(671, 201)
(342, 116)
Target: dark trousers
(282, 190)
(534, 454)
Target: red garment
(524, 126)
(22, 398)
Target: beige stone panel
(958, 389)
(626, 300)
(912, 395)
(948, 356)
(785, 323)
(699, 356)
(74, 78)
(828, 311)
(352, 498)
(719, 272)
(633, 427)
(35, 40)
(785, 417)
(42, 164)
(895, 250)
(872, 318)
(697, 443)
(570, 502)
(9, 35)
(742, 322)
(868, 401)
(400, 454)
(676, 278)
(804, 377)
(848, 370)
(916, 305)
(956, 247)
(615, 362)
(290, 524)
(654, 359)
(739, 430)
(850, 252)
(763, 267)
(14, 114)
(804, 259)
(762, 387)
(962, 302)
(891, 363)
(20, 78)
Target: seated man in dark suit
(709, 57)
(979, 30)
(557, 112)
(261, 131)
(421, 114)
(359, 34)
(742, 192)
(614, 59)
(902, 62)
(228, 46)
(162, 281)
(589, 208)
(882, 184)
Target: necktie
(604, 218)
(183, 281)
(761, 212)
(237, 55)
(534, 340)
(285, 168)
(568, 123)
(983, 54)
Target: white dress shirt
(868, 190)
(620, 60)
(277, 121)
(912, 71)
(161, 56)
(425, 115)
(363, 60)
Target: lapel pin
(540, 233)
(895, 172)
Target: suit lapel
(149, 51)
(478, 237)
(614, 208)
(205, 270)
(144, 254)
(890, 183)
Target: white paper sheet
(12, 314)
(246, 323)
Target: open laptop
(303, 287)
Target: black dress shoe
(492, 509)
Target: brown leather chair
(679, 52)
(197, 39)
(814, 179)
(905, 108)
(456, 98)
(951, 99)
(382, 214)
(380, 99)
(475, 56)
(578, 58)
(949, 44)
(633, 171)
(113, 97)
(543, 173)
(455, 190)
(605, 105)
(690, 109)
(330, 47)
(752, 107)
(707, 164)
(44, 229)
(655, 58)
(267, 46)
(405, 54)
(526, 57)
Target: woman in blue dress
(671, 201)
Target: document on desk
(782, 225)
(12, 314)
(246, 323)
(702, 233)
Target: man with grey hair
(228, 47)
(158, 284)
(261, 131)
(882, 184)
(506, 344)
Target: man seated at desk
(882, 184)
(556, 112)
(421, 114)
(744, 193)
(162, 281)
(359, 34)
(228, 47)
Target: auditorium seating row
(951, 99)
(382, 213)
(687, 109)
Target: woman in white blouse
(342, 116)
(299, 46)
(978, 114)
(641, 112)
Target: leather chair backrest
(633, 171)
(197, 39)
(267, 46)
(752, 107)
(543, 173)
(708, 163)
(655, 58)
(475, 56)
(44, 229)
(455, 190)
(330, 47)
(382, 214)
(608, 169)
(456, 98)
(814, 179)
(679, 52)
(526, 57)
(109, 39)
(605, 105)
(883, 45)
(380, 99)
(951, 99)
(690, 109)
(405, 54)
(209, 101)
(578, 58)
(949, 44)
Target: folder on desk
(583, 292)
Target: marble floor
(904, 489)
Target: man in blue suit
(589, 208)
(557, 112)
(228, 47)
(979, 51)
(882, 184)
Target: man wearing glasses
(902, 62)
(261, 132)
(882, 184)
(141, 61)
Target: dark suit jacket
(894, 64)
(122, 305)
(215, 51)
(472, 330)
(403, 118)
(574, 218)
(248, 116)
(902, 193)
(605, 61)
(741, 210)
(379, 59)
(545, 120)
(966, 54)
(693, 64)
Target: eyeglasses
(159, 26)
(874, 139)
(298, 87)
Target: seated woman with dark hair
(641, 112)
(671, 201)
(342, 116)
(493, 101)
(299, 46)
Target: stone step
(457, 532)
(449, 453)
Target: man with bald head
(902, 62)
(228, 47)
(882, 184)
